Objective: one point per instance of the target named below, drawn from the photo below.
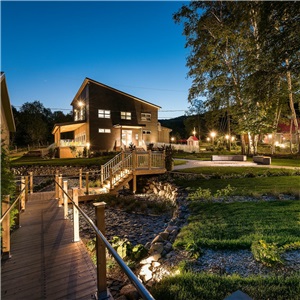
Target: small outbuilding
(193, 141)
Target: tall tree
(237, 61)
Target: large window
(125, 115)
(146, 117)
(103, 114)
(104, 130)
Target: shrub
(224, 193)
(201, 194)
(266, 253)
(127, 251)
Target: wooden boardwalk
(45, 262)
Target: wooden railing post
(133, 159)
(122, 157)
(149, 160)
(56, 186)
(6, 228)
(111, 178)
(31, 182)
(102, 175)
(60, 192)
(23, 193)
(87, 183)
(101, 251)
(65, 199)
(75, 216)
(80, 178)
(26, 188)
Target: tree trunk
(292, 107)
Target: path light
(88, 145)
(172, 139)
(208, 139)
(227, 137)
(213, 134)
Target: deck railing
(126, 162)
(101, 244)
(7, 207)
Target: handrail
(136, 282)
(12, 205)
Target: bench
(264, 160)
(229, 157)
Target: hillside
(176, 124)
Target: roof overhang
(67, 127)
(88, 80)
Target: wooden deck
(45, 263)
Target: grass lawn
(202, 286)
(248, 186)
(236, 225)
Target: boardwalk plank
(45, 262)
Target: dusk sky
(48, 48)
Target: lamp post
(213, 134)
(88, 145)
(194, 132)
(172, 139)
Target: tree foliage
(34, 123)
(244, 59)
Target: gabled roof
(6, 105)
(192, 137)
(88, 80)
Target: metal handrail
(136, 282)
(12, 205)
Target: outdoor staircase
(117, 172)
(125, 166)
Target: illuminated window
(125, 115)
(104, 130)
(146, 117)
(103, 114)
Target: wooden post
(6, 228)
(56, 187)
(60, 193)
(110, 178)
(101, 251)
(122, 157)
(65, 199)
(31, 182)
(133, 159)
(134, 183)
(22, 193)
(87, 183)
(149, 160)
(80, 178)
(18, 207)
(102, 175)
(26, 187)
(75, 216)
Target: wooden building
(106, 119)
(7, 119)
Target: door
(126, 137)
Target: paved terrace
(45, 262)
(206, 163)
